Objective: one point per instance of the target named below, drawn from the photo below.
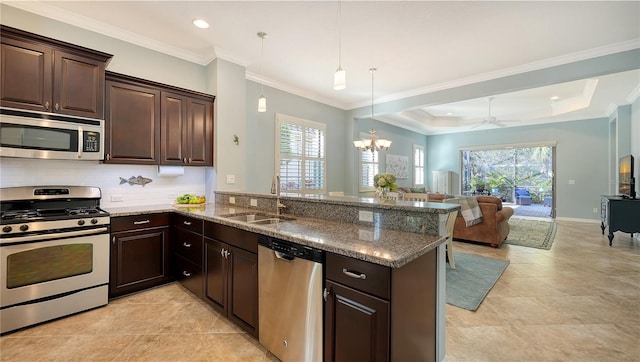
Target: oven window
(39, 138)
(49, 263)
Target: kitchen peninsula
(397, 310)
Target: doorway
(521, 175)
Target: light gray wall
(582, 155)
(260, 137)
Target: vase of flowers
(384, 182)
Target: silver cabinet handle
(57, 107)
(325, 294)
(46, 105)
(113, 239)
(354, 275)
(141, 222)
(186, 245)
(187, 223)
(186, 273)
(227, 253)
(222, 252)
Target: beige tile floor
(579, 301)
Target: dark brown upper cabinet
(47, 75)
(152, 123)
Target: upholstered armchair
(523, 197)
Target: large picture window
(418, 166)
(300, 150)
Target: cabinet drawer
(189, 275)
(187, 223)
(138, 222)
(361, 275)
(236, 237)
(188, 245)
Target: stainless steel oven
(54, 254)
(28, 134)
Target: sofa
(493, 229)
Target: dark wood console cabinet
(619, 214)
(139, 253)
(43, 74)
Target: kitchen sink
(258, 218)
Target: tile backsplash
(163, 189)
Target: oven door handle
(68, 234)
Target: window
(418, 165)
(300, 146)
(368, 167)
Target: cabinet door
(132, 124)
(172, 129)
(198, 135)
(26, 75)
(216, 274)
(356, 326)
(78, 85)
(139, 260)
(243, 289)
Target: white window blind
(368, 168)
(418, 165)
(300, 150)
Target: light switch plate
(253, 202)
(572, 182)
(231, 179)
(365, 215)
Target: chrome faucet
(275, 190)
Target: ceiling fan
(490, 119)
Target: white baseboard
(590, 221)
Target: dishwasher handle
(283, 256)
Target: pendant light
(262, 101)
(372, 144)
(340, 78)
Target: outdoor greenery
(500, 171)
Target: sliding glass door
(518, 174)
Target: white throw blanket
(469, 209)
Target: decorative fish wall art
(135, 180)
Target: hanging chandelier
(262, 101)
(374, 143)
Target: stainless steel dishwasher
(290, 300)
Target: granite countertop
(392, 248)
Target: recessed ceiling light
(449, 114)
(200, 23)
(554, 98)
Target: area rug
(472, 279)
(532, 233)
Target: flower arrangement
(383, 180)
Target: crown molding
(293, 90)
(547, 63)
(635, 93)
(52, 12)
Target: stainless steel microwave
(28, 134)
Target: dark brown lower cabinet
(375, 313)
(187, 249)
(139, 253)
(231, 267)
(232, 283)
(356, 325)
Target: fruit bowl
(190, 199)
